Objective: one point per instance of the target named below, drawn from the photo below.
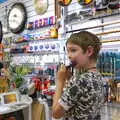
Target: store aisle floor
(111, 111)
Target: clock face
(17, 18)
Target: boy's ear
(90, 50)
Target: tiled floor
(111, 111)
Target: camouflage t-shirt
(82, 98)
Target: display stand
(24, 104)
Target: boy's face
(76, 54)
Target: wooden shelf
(107, 41)
(36, 53)
(97, 26)
(108, 32)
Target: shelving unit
(107, 27)
(99, 24)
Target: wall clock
(17, 18)
(40, 6)
(1, 32)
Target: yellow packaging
(3, 84)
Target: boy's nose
(70, 56)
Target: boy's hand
(63, 74)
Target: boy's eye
(73, 50)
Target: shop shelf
(36, 53)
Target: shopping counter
(23, 104)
